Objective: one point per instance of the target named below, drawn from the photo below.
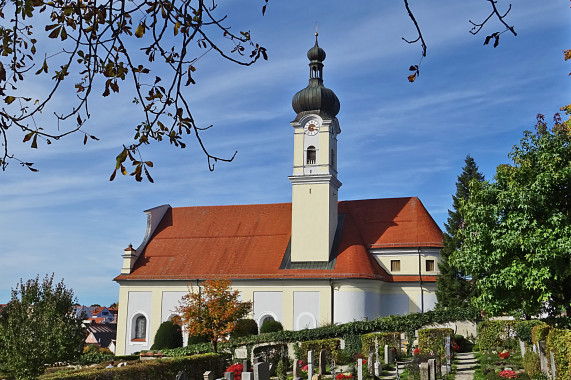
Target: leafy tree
(37, 327)
(149, 46)
(169, 335)
(213, 311)
(453, 289)
(517, 235)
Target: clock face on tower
(312, 127)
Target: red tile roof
(249, 241)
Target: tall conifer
(453, 289)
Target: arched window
(141, 327)
(311, 153)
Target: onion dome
(316, 98)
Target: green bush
(165, 369)
(434, 340)
(244, 327)
(531, 364)
(169, 335)
(497, 335)
(392, 339)
(270, 326)
(556, 343)
(523, 329)
(540, 332)
(331, 346)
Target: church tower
(314, 179)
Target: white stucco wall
(268, 303)
(138, 304)
(305, 310)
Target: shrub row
(351, 332)
(493, 335)
(433, 341)
(392, 339)
(194, 366)
(329, 345)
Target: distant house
(102, 314)
(82, 312)
(101, 334)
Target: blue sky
(398, 139)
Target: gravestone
(247, 375)
(322, 362)
(424, 371)
(378, 369)
(241, 353)
(359, 369)
(316, 377)
(522, 347)
(432, 369)
(245, 365)
(333, 372)
(296, 369)
(261, 371)
(309, 364)
(228, 375)
(370, 362)
(448, 354)
(181, 375)
(208, 375)
(553, 369)
(543, 357)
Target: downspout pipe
(420, 282)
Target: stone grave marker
(322, 362)
(432, 369)
(448, 354)
(553, 369)
(241, 353)
(370, 362)
(309, 364)
(378, 369)
(245, 365)
(296, 369)
(228, 375)
(522, 347)
(261, 371)
(247, 375)
(360, 369)
(208, 375)
(424, 371)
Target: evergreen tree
(453, 289)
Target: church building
(311, 262)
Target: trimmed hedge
(557, 344)
(244, 327)
(496, 335)
(531, 364)
(540, 332)
(351, 331)
(523, 329)
(329, 345)
(166, 369)
(270, 326)
(433, 340)
(392, 339)
(169, 335)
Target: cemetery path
(466, 362)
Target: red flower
(344, 376)
(506, 374)
(504, 354)
(416, 351)
(237, 369)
